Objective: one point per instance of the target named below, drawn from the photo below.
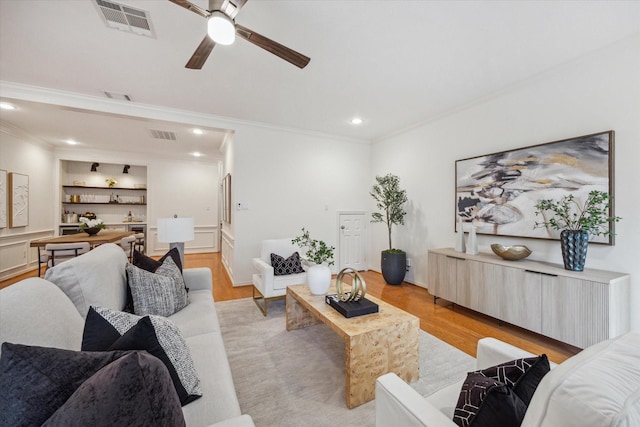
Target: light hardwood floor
(453, 324)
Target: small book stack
(351, 308)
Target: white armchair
(268, 285)
(598, 386)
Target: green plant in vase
(318, 252)
(577, 222)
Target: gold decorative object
(358, 285)
(511, 253)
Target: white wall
(595, 93)
(292, 180)
(22, 154)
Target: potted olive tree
(390, 200)
(319, 253)
(577, 222)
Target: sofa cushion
(35, 381)
(161, 293)
(95, 278)
(157, 335)
(136, 389)
(284, 266)
(36, 312)
(199, 317)
(499, 395)
(219, 401)
(600, 386)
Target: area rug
(297, 378)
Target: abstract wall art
(497, 192)
(18, 200)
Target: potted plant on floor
(390, 199)
(319, 253)
(577, 222)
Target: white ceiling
(393, 63)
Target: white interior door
(352, 241)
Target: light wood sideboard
(579, 308)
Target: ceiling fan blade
(201, 54)
(192, 7)
(289, 55)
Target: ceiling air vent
(125, 18)
(163, 134)
(118, 96)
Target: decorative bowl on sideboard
(511, 253)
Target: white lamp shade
(221, 28)
(172, 230)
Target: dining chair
(55, 253)
(127, 243)
(139, 243)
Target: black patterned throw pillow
(282, 266)
(107, 329)
(499, 395)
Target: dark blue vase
(574, 249)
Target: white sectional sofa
(600, 386)
(43, 313)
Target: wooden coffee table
(375, 344)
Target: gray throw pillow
(161, 293)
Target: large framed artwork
(3, 198)
(497, 192)
(18, 200)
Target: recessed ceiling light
(196, 154)
(71, 142)
(356, 121)
(6, 106)
(198, 131)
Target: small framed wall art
(497, 192)
(3, 198)
(18, 200)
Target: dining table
(104, 236)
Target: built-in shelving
(104, 203)
(104, 188)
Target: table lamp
(175, 231)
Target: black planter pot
(394, 267)
(574, 245)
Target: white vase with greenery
(319, 253)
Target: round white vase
(319, 279)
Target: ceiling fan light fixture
(221, 28)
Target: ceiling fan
(221, 15)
